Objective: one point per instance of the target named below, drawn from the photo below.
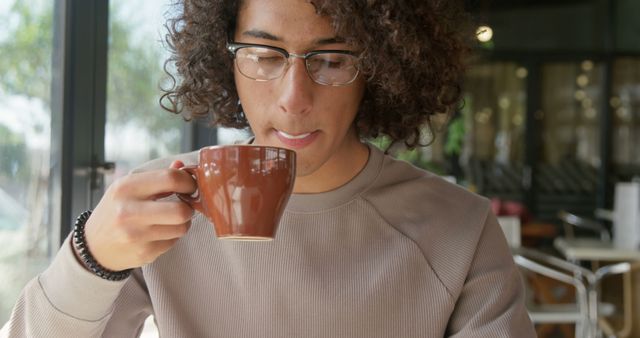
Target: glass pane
(494, 116)
(135, 74)
(625, 104)
(25, 134)
(570, 123)
(571, 103)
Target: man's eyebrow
(255, 33)
(260, 34)
(328, 41)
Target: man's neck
(336, 172)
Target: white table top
(582, 249)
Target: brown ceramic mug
(243, 189)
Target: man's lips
(296, 140)
(293, 136)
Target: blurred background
(550, 124)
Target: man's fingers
(150, 184)
(177, 164)
(154, 212)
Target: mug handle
(193, 201)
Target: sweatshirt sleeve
(68, 301)
(491, 303)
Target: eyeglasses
(325, 67)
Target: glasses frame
(234, 47)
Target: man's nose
(296, 86)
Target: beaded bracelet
(79, 241)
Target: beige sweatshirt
(396, 252)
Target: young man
(368, 246)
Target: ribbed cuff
(74, 290)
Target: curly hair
(412, 52)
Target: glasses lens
(260, 63)
(332, 68)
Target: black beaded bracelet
(79, 241)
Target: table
(587, 249)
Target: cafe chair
(550, 299)
(590, 321)
(571, 221)
(588, 313)
(599, 319)
(576, 313)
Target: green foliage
(135, 69)
(25, 65)
(382, 142)
(14, 166)
(414, 156)
(455, 137)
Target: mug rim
(221, 146)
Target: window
(495, 103)
(135, 74)
(572, 96)
(494, 113)
(625, 106)
(25, 139)
(570, 130)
